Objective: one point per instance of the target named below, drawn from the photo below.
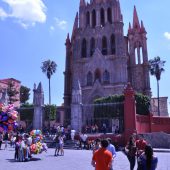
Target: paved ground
(73, 160)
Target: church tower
(138, 70)
(101, 58)
(96, 54)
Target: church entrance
(103, 118)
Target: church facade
(100, 58)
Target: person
(96, 145)
(72, 134)
(147, 160)
(6, 140)
(117, 130)
(61, 143)
(83, 140)
(112, 150)
(102, 158)
(140, 144)
(1, 139)
(57, 149)
(130, 151)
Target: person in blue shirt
(147, 160)
(112, 149)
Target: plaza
(72, 160)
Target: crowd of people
(25, 144)
(136, 149)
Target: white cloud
(3, 14)
(62, 24)
(167, 35)
(26, 12)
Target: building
(4, 83)
(101, 59)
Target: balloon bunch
(36, 135)
(8, 117)
(38, 146)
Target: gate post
(129, 112)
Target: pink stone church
(101, 59)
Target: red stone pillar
(129, 112)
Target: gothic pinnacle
(136, 23)
(82, 3)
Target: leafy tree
(12, 92)
(50, 112)
(49, 68)
(156, 69)
(24, 94)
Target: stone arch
(104, 45)
(84, 48)
(109, 15)
(106, 77)
(102, 17)
(113, 44)
(92, 46)
(89, 79)
(93, 18)
(87, 18)
(97, 75)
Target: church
(101, 59)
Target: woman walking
(147, 161)
(130, 150)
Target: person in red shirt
(102, 158)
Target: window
(109, 15)
(102, 20)
(84, 49)
(104, 46)
(97, 75)
(106, 77)
(113, 45)
(92, 46)
(89, 79)
(93, 18)
(87, 18)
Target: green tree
(156, 69)
(12, 92)
(24, 94)
(49, 68)
(50, 112)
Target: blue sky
(32, 31)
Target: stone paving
(72, 160)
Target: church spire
(68, 42)
(82, 3)
(75, 26)
(136, 23)
(142, 27)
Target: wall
(147, 124)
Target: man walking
(102, 158)
(112, 150)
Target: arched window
(109, 15)
(106, 77)
(136, 56)
(102, 20)
(104, 45)
(84, 49)
(97, 75)
(89, 79)
(93, 18)
(92, 46)
(113, 44)
(87, 18)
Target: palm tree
(49, 67)
(156, 69)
